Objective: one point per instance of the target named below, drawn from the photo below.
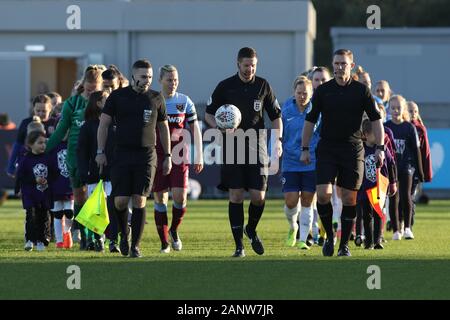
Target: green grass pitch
(414, 269)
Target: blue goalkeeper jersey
(293, 121)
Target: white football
(228, 116)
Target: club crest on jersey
(61, 156)
(371, 168)
(257, 105)
(147, 115)
(40, 170)
(180, 107)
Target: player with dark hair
(136, 111)
(252, 95)
(89, 172)
(34, 172)
(372, 221)
(41, 107)
(113, 79)
(341, 102)
(319, 75)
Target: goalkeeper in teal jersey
(72, 118)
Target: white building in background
(38, 52)
(415, 61)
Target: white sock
(386, 210)
(291, 215)
(67, 224)
(315, 224)
(337, 206)
(305, 219)
(58, 230)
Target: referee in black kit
(135, 110)
(340, 152)
(252, 95)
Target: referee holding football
(340, 152)
(136, 110)
(251, 95)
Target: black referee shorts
(243, 176)
(133, 177)
(344, 161)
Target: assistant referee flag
(377, 195)
(94, 214)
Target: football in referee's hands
(228, 116)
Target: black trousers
(401, 204)
(37, 224)
(372, 223)
(359, 219)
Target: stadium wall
(413, 60)
(200, 37)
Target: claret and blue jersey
(180, 112)
(293, 122)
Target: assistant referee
(135, 110)
(252, 95)
(340, 152)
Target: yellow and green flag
(94, 214)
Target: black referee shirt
(250, 98)
(135, 115)
(342, 108)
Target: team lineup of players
(332, 134)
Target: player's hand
(421, 177)
(278, 148)
(167, 165)
(305, 157)
(101, 162)
(198, 167)
(379, 156)
(392, 189)
(11, 175)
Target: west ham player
(180, 113)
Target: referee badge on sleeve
(147, 115)
(257, 105)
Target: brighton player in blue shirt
(298, 179)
